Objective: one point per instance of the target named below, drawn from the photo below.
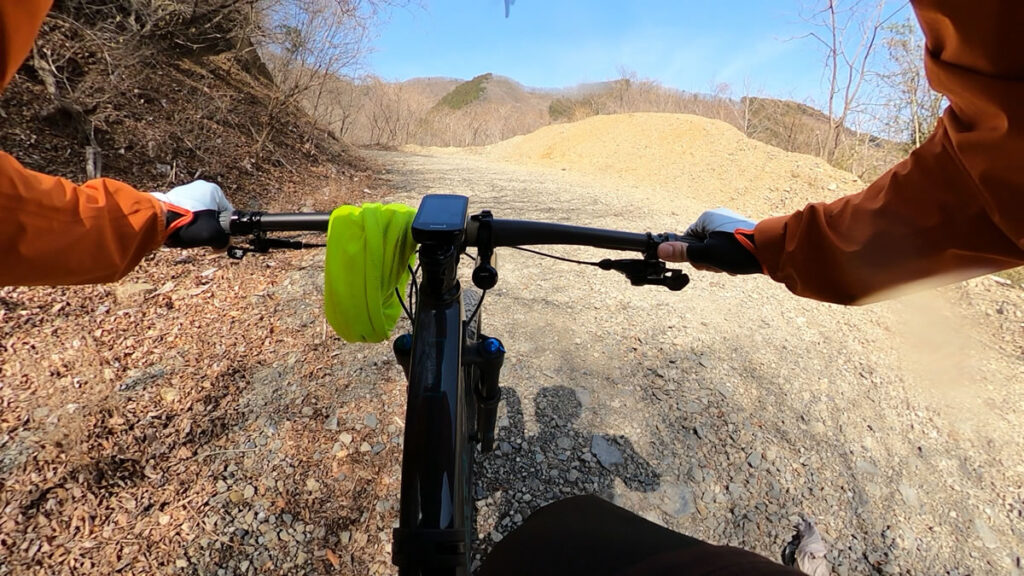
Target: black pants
(581, 535)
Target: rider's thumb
(672, 252)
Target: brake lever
(260, 244)
(647, 272)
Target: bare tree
(308, 42)
(342, 102)
(391, 114)
(913, 107)
(745, 109)
(849, 31)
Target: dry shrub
(136, 81)
(479, 124)
(186, 25)
(796, 127)
(308, 46)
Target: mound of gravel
(706, 161)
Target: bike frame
(431, 536)
(451, 375)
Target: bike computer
(440, 217)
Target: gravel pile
(705, 161)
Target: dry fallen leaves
(333, 558)
(158, 383)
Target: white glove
(193, 215)
(714, 243)
(718, 220)
(196, 196)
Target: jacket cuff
(175, 218)
(770, 241)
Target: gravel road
(729, 409)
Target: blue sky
(685, 44)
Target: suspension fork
(488, 355)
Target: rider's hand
(720, 240)
(193, 215)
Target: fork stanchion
(492, 354)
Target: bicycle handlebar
(241, 223)
(503, 232)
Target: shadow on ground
(526, 472)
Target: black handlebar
(485, 233)
(239, 223)
(503, 232)
(526, 233)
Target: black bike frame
(431, 537)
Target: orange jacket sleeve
(52, 231)
(954, 208)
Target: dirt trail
(199, 417)
(735, 405)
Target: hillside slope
(159, 116)
(119, 400)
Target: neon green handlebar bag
(369, 251)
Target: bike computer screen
(440, 216)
